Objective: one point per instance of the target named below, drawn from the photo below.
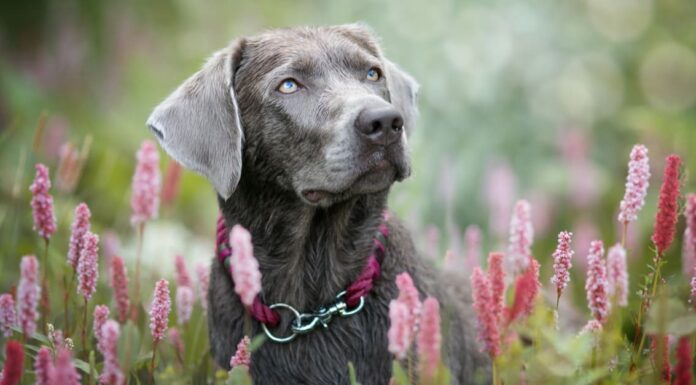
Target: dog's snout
(382, 126)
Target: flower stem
(45, 301)
(152, 362)
(138, 251)
(67, 328)
(494, 371)
(83, 333)
(644, 306)
(409, 359)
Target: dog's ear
(403, 90)
(199, 123)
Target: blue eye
(288, 86)
(374, 74)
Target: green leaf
(129, 345)
(670, 316)
(239, 376)
(82, 365)
(92, 367)
(257, 341)
(200, 374)
(143, 360)
(399, 374)
(351, 374)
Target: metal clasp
(306, 322)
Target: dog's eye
(374, 74)
(288, 86)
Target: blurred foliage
(554, 92)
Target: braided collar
(345, 304)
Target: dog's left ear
(403, 90)
(199, 123)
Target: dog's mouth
(377, 174)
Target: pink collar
(347, 303)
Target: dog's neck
(307, 254)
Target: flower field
(64, 323)
(577, 247)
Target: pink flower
(668, 205)
(43, 366)
(472, 241)
(79, 228)
(42, 203)
(172, 180)
(8, 314)
(689, 243)
(28, 294)
(101, 314)
(14, 364)
(244, 267)
(690, 214)
(119, 284)
(636, 184)
(242, 357)
(521, 238)
(184, 304)
(596, 284)
(496, 277)
(488, 332)
(562, 262)
(182, 275)
(661, 343)
(429, 338)
(527, 288)
(175, 339)
(683, 372)
(617, 274)
(693, 289)
(159, 311)
(56, 337)
(408, 295)
(688, 254)
(203, 273)
(64, 372)
(108, 346)
(146, 184)
(401, 331)
(87, 271)
(592, 326)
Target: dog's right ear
(199, 123)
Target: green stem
(494, 371)
(138, 252)
(152, 362)
(409, 359)
(645, 304)
(68, 291)
(83, 333)
(45, 301)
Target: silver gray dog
(302, 132)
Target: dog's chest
(322, 356)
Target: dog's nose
(382, 126)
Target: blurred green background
(533, 99)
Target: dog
(301, 132)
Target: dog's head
(318, 111)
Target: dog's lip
(314, 196)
